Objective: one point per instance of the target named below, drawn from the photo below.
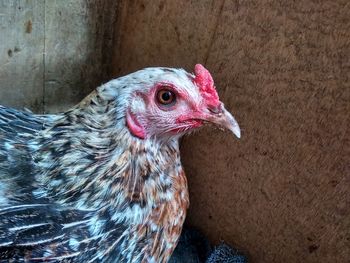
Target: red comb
(205, 83)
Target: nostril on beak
(215, 110)
(222, 118)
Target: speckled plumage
(79, 187)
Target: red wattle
(134, 126)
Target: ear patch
(205, 83)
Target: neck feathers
(88, 156)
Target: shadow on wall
(77, 58)
(282, 68)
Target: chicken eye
(166, 97)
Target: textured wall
(52, 53)
(282, 192)
(282, 67)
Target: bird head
(167, 102)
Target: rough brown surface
(282, 192)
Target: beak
(224, 119)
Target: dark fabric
(194, 247)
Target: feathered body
(102, 182)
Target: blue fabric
(226, 254)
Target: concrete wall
(283, 68)
(52, 53)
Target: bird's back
(41, 226)
(17, 130)
(16, 125)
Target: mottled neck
(89, 158)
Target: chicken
(103, 181)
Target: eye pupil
(166, 97)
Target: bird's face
(171, 102)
